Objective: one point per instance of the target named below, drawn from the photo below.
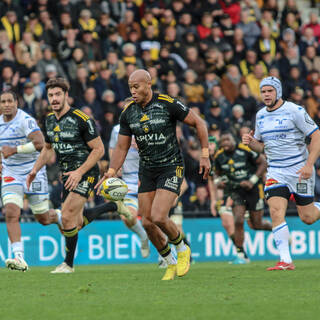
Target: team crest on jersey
(145, 128)
(144, 118)
(56, 138)
(57, 128)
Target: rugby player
(20, 143)
(243, 169)
(152, 118)
(280, 131)
(73, 136)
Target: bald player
(151, 118)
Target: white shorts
(14, 188)
(131, 201)
(288, 177)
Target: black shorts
(168, 178)
(85, 187)
(284, 192)
(251, 199)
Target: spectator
(67, 46)
(313, 24)
(90, 100)
(129, 55)
(90, 46)
(47, 59)
(30, 103)
(248, 102)
(266, 43)
(227, 28)
(232, 8)
(214, 115)
(87, 23)
(185, 25)
(150, 42)
(77, 61)
(250, 29)
(308, 39)
(204, 28)
(128, 25)
(13, 28)
(311, 60)
(313, 103)
(50, 29)
(253, 80)
(230, 83)
(195, 62)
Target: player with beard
(73, 136)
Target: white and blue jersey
(130, 167)
(283, 132)
(16, 167)
(14, 133)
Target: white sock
(17, 249)
(139, 230)
(317, 205)
(281, 236)
(181, 247)
(59, 215)
(170, 259)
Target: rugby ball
(113, 189)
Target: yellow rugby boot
(183, 263)
(170, 272)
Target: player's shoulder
(242, 146)
(165, 98)
(293, 106)
(127, 105)
(77, 113)
(261, 112)
(219, 153)
(50, 115)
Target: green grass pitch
(208, 291)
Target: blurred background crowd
(210, 54)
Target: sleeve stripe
(84, 117)
(126, 106)
(165, 99)
(82, 113)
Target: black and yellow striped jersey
(154, 129)
(69, 136)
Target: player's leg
(308, 210)
(256, 221)
(239, 211)
(135, 225)
(161, 205)
(71, 217)
(255, 205)
(156, 236)
(12, 199)
(277, 199)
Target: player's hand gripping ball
(113, 189)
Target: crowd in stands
(210, 54)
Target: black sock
(165, 251)
(232, 238)
(89, 214)
(177, 240)
(71, 237)
(241, 250)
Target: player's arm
(46, 154)
(261, 164)
(97, 151)
(192, 119)
(252, 143)
(118, 156)
(36, 143)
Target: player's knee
(67, 220)
(159, 220)
(43, 219)
(12, 213)
(308, 219)
(147, 224)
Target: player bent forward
(281, 129)
(21, 141)
(73, 136)
(151, 118)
